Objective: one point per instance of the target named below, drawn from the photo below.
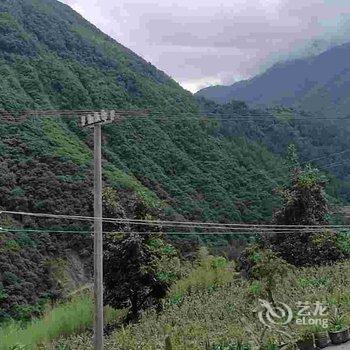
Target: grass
(210, 273)
(212, 304)
(225, 316)
(284, 116)
(64, 320)
(66, 144)
(122, 180)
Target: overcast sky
(207, 42)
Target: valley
(224, 198)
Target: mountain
(169, 165)
(318, 140)
(319, 84)
(52, 58)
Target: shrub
(17, 192)
(66, 319)
(11, 245)
(120, 179)
(305, 203)
(233, 346)
(210, 273)
(3, 294)
(343, 241)
(67, 144)
(265, 266)
(10, 278)
(24, 240)
(134, 270)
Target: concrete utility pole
(98, 241)
(95, 120)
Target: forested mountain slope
(319, 140)
(319, 84)
(53, 58)
(168, 165)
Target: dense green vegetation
(176, 167)
(319, 141)
(67, 63)
(72, 317)
(171, 163)
(213, 307)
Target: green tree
(139, 268)
(305, 203)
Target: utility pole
(98, 241)
(95, 120)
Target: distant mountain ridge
(319, 84)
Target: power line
(11, 229)
(333, 165)
(326, 157)
(235, 232)
(248, 116)
(242, 118)
(227, 230)
(184, 224)
(73, 113)
(143, 112)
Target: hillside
(318, 84)
(162, 166)
(318, 140)
(53, 58)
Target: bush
(305, 203)
(3, 294)
(134, 270)
(66, 319)
(10, 278)
(343, 241)
(210, 273)
(265, 267)
(11, 245)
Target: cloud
(194, 85)
(220, 41)
(78, 8)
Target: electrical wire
(333, 165)
(185, 224)
(149, 114)
(227, 230)
(11, 229)
(326, 157)
(250, 233)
